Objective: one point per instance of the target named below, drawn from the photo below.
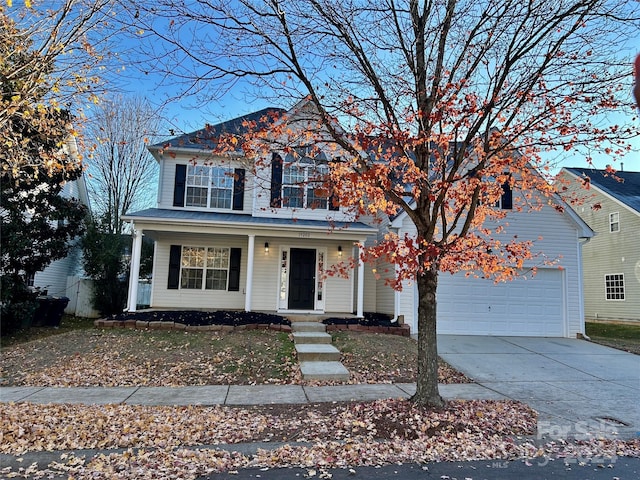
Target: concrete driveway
(580, 389)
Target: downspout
(581, 242)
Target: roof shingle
(624, 186)
(206, 138)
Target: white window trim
(612, 223)
(204, 269)
(305, 186)
(606, 288)
(209, 186)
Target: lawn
(623, 337)
(180, 442)
(75, 355)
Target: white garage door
(521, 307)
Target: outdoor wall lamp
(266, 247)
(340, 250)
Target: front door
(302, 279)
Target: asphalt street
(539, 469)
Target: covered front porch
(254, 264)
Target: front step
(308, 327)
(316, 352)
(311, 337)
(324, 371)
(319, 360)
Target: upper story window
(614, 222)
(210, 187)
(303, 186)
(299, 180)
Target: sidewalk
(234, 394)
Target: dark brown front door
(302, 279)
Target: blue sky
(189, 113)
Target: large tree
(47, 62)
(447, 102)
(45, 57)
(121, 169)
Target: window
(209, 186)
(302, 186)
(614, 222)
(614, 286)
(206, 268)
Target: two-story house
(610, 204)
(231, 233)
(234, 233)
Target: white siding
(54, 277)
(554, 236)
(337, 291)
(167, 180)
(163, 297)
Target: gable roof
(623, 186)
(206, 137)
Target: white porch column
(134, 272)
(249, 287)
(360, 299)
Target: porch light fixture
(340, 250)
(266, 247)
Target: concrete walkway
(578, 388)
(232, 394)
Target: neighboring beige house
(257, 235)
(611, 264)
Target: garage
(529, 306)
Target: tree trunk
(427, 393)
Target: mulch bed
(200, 318)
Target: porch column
(249, 287)
(134, 272)
(360, 299)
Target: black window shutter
(276, 181)
(179, 185)
(174, 267)
(238, 189)
(506, 201)
(333, 198)
(333, 201)
(234, 269)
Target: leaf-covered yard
(187, 442)
(121, 357)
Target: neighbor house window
(614, 222)
(204, 268)
(209, 186)
(614, 286)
